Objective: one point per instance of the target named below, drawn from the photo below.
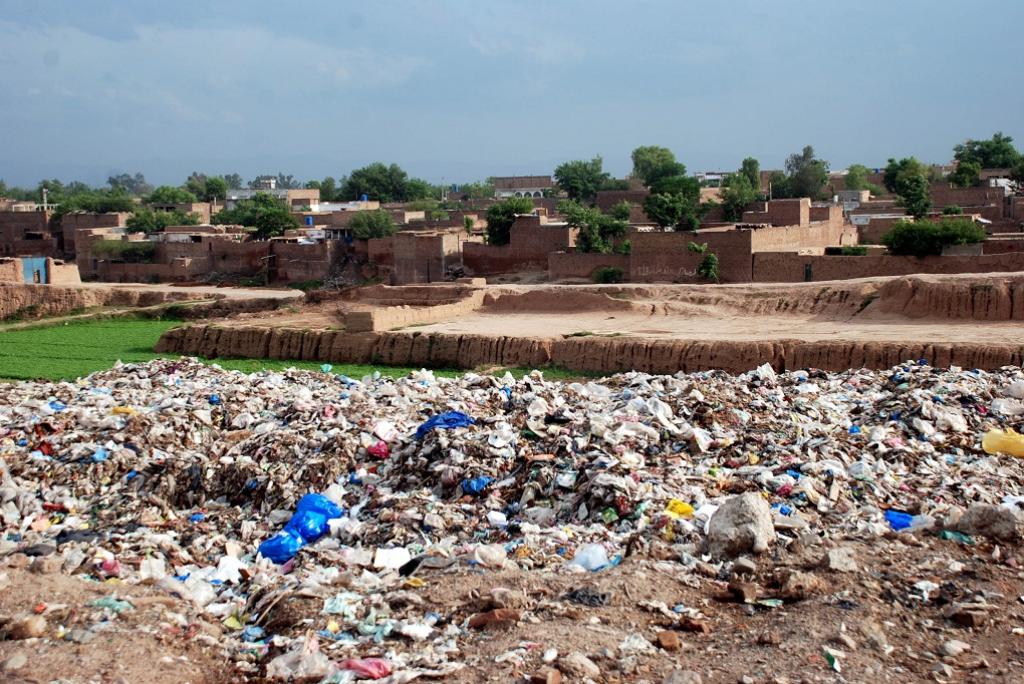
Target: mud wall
(582, 264)
(584, 354)
(791, 268)
(51, 300)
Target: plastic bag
(446, 420)
(372, 668)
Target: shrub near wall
(925, 238)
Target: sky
(458, 90)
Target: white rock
(740, 525)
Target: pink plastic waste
(380, 449)
(374, 668)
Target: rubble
(173, 476)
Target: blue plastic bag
(309, 523)
(898, 520)
(446, 420)
(475, 485)
(282, 547)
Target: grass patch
(580, 333)
(77, 348)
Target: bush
(925, 238)
(124, 250)
(372, 224)
(608, 274)
(855, 250)
(953, 210)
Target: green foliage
(372, 224)
(417, 189)
(581, 180)
(99, 201)
(806, 174)
(966, 175)
(234, 181)
(707, 269)
(904, 168)
(621, 210)
(913, 195)
(268, 215)
(1017, 173)
(328, 188)
(608, 275)
(778, 185)
(853, 250)
(597, 231)
(736, 195)
(857, 177)
(306, 285)
(502, 215)
(925, 238)
(751, 168)
(207, 188)
(624, 247)
(652, 163)
(382, 183)
(468, 224)
(150, 221)
(168, 194)
(132, 185)
(124, 250)
(618, 184)
(996, 153)
(953, 210)
(476, 190)
(673, 211)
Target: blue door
(34, 269)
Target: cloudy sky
(461, 89)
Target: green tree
(234, 181)
(372, 224)
(133, 185)
(925, 238)
(997, 152)
(708, 266)
(807, 175)
(328, 188)
(736, 195)
(966, 175)
(168, 194)
(621, 210)
(857, 177)
(912, 192)
(268, 215)
(778, 185)
(150, 221)
(751, 168)
(468, 224)
(652, 163)
(216, 189)
(417, 188)
(952, 210)
(502, 215)
(597, 232)
(476, 190)
(673, 211)
(1017, 173)
(904, 168)
(581, 179)
(378, 182)
(97, 201)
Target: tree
(778, 185)
(372, 224)
(216, 189)
(651, 163)
(664, 209)
(378, 182)
(581, 179)
(621, 210)
(597, 232)
(328, 188)
(857, 177)
(1017, 173)
(476, 190)
(97, 201)
(925, 238)
(168, 194)
(417, 188)
(502, 215)
(738, 193)
(912, 192)
(708, 266)
(904, 168)
(234, 181)
(268, 215)
(807, 175)
(751, 168)
(996, 153)
(966, 175)
(150, 221)
(133, 185)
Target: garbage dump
(244, 496)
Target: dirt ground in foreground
(889, 632)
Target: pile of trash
(244, 494)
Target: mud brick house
(27, 233)
(71, 223)
(532, 238)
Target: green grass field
(67, 351)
